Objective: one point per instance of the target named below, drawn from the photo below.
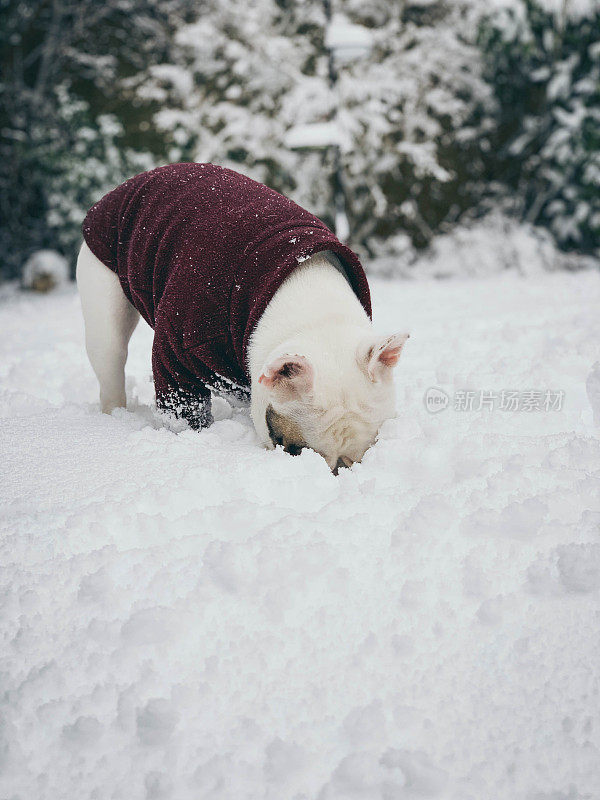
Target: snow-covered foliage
(186, 616)
(441, 110)
(261, 83)
(88, 162)
(493, 243)
(258, 70)
(543, 60)
(408, 109)
(346, 39)
(71, 125)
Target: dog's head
(334, 405)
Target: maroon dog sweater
(200, 251)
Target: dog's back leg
(109, 320)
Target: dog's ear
(288, 377)
(376, 358)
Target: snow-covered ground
(185, 615)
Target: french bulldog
(247, 293)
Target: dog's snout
(342, 463)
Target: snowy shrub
(417, 111)
(479, 247)
(88, 161)
(71, 123)
(44, 270)
(544, 66)
(260, 71)
(257, 70)
(455, 109)
(67, 161)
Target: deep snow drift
(185, 615)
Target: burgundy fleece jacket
(200, 251)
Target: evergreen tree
(419, 109)
(544, 67)
(444, 118)
(72, 124)
(256, 70)
(260, 70)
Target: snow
(479, 248)
(44, 270)
(573, 9)
(185, 615)
(346, 39)
(316, 134)
(342, 225)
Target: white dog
(319, 377)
